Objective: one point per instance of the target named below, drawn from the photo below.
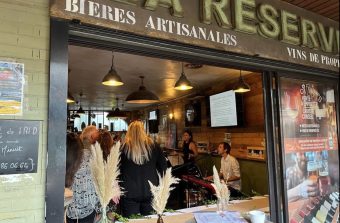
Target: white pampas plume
(161, 192)
(97, 171)
(221, 189)
(112, 173)
(105, 174)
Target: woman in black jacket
(141, 159)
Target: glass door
(310, 153)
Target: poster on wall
(311, 158)
(11, 88)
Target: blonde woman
(141, 159)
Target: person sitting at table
(230, 168)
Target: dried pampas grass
(105, 174)
(97, 171)
(161, 192)
(221, 189)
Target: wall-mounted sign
(270, 29)
(223, 109)
(19, 144)
(310, 143)
(11, 88)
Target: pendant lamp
(70, 98)
(241, 86)
(116, 113)
(112, 78)
(74, 116)
(183, 83)
(80, 110)
(142, 96)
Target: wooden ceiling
(327, 8)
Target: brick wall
(24, 38)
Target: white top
(229, 168)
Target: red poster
(310, 142)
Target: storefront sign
(19, 143)
(266, 28)
(11, 88)
(310, 144)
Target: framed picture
(192, 114)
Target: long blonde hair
(138, 143)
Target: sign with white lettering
(269, 29)
(19, 143)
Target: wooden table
(186, 215)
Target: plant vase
(160, 219)
(221, 206)
(103, 218)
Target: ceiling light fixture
(92, 115)
(70, 99)
(74, 116)
(80, 110)
(142, 95)
(183, 83)
(116, 113)
(112, 78)
(241, 86)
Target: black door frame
(65, 32)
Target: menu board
(223, 109)
(19, 143)
(310, 142)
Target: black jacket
(134, 178)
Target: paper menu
(213, 217)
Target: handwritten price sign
(19, 143)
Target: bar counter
(187, 216)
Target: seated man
(230, 169)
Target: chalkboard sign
(19, 143)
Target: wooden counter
(186, 215)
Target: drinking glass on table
(221, 207)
